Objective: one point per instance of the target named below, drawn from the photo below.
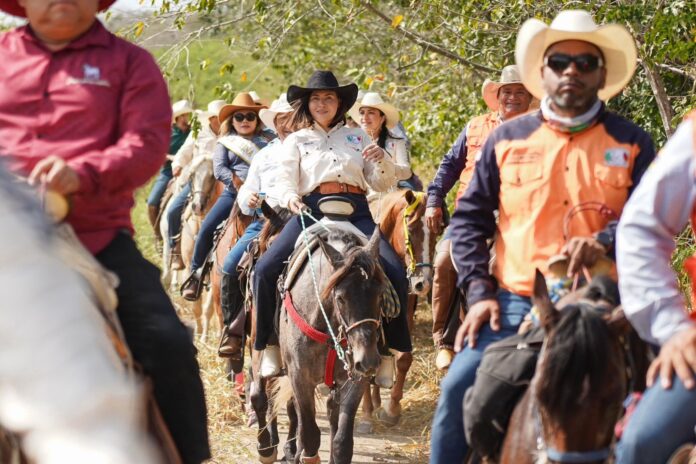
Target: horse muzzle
(366, 361)
(421, 283)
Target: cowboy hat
(243, 101)
(614, 41)
(325, 80)
(278, 106)
(374, 100)
(180, 108)
(213, 109)
(12, 7)
(509, 75)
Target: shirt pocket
(617, 177)
(521, 187)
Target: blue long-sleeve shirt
(449, 171)
(227, 164)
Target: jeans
(271, 264)
(662, 422)
(158, 188)
(174, 213)
(161, 344)
(448, 444)
(204, 241)
(229, 266)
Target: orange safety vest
(477, 132)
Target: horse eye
(340, 300)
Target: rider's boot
(189, 291)
(271, 362)
(384, 377)
(176, 262)
(444, 288)
(232, 304)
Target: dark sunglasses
(239, 117)
(584, 63)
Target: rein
(408, 212)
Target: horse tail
(281, 392)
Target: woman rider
(241, 137)
(260, 179)
(378, 118)
(324, 157)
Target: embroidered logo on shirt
(354, 139)
(91, 76)
(616, 157)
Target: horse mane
(198, 160)
(272, 227)
(388, 202)
(354, 256)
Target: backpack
(502, 378)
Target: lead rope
(305, 237)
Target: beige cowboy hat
(242, 101)
(213, 109)
(374, 100)
(12, 7)
(615, 42)
(180, 108)
(278, 106)
(509, 75)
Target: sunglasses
(239, 117)
(584, 63)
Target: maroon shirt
(101, 104)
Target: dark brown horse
(575, 397)
(401, 218)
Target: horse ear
(618, 323)
(409, 196)
(335, 258)
(547, 312)
(373, 245)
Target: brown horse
(576, 394)
(401, 218)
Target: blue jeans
(662, 422)
(229, 266)
(176, 209)
(158, 188)
(448, 444)
(204, 241)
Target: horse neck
(392, 227)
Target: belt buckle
(343, 187)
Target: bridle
(413, 264)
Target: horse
(204, 193)
(401, 218)
(591, 356)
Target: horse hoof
(365, 427)
(290, 451)
(268, 459)
(388, 420)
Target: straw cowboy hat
(180, 108)
(213, 109)
(12, 7)
(278, 106)
(509, 75)
(615, 42)
(242, 101)
(325, 80)
(374, 100)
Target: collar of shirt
(321, 130)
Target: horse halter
(408, 212)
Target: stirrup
(198, 289)
(384, 377)
(270, 362)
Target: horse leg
(411, 305)
(333, 409)
(208, 309)
(290, 448)
(342, 443)
(392, 412)
(376, 396)
(309, 435)
(365, 422)
(259, 401)
(198, 316)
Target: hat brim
(227, 110)
(347, 93)
(615, 42)
(389, 111)
(267, 117)
(12, 7)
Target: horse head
(202, 183)
(353, 295)
(580, 384)
(419, 243)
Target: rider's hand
(583, 251)
(56, 174)
(254, 201)
(176, 170)
(373, 152)
(678, 356)
(477, 315)
(433, 219)
(296, 206)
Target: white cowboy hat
(374, 100)
(180, 108)
(278, 106)
(509, 75)
(615, 42)
(213, 109)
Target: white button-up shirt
(658, 210)
(262, 177)
(397, 149)
(193, 147)
(311, 156)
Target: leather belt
(331, 188)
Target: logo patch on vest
(354, 139)
(616, 157)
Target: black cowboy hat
(12, 7)
(325, 80)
